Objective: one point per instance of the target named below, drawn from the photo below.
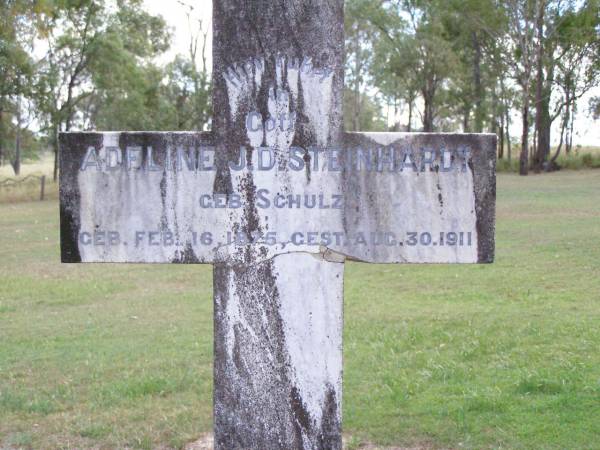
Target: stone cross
(277, 197)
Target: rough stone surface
(427, 200)
(278, 364)
(141, 200)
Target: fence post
(43, 188)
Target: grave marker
(277, 197)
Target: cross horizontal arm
(378, 197)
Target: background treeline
(422, 65)
(467, 65)
(92, 65)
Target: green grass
(502, 356)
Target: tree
(473, 27)
(125, 84)
(392, 75)
(411, 35)
(17, 29)
(188, 81)
(91, 49)
(577, 68)
(521, 34)
(435, 58)
(72, 31)
(359, 59)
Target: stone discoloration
(265, 396)
(127, 201)
(484, 165)
(423, 200)
(73, 147)
(277, 357)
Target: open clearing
(502, 356)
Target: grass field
(503, 356)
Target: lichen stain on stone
(260, 347)
(302, 418)
(258, 350)
(329, 436)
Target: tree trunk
(357, 69)
(533, 148)
(428, 96)
(411, 103)
(562, 135)
(428, 116)
(495, 123)
(1, 139)
(56, 129)
(538, 158)
(572, 126)
(501, 142)
(17, 162)
(466, 117)
(545, 133)
(479, 91)
(566, 121)
(508, 142)
(397, 125)
(506, 114)
(524, 160)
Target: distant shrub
(571, 162)
(505, 166)
(574, 161)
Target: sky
(175, 12)
(587, 132)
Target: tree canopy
(413, 65)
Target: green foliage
(31, 144)
(359, 106)
(440, 52)
(468, 64)
(187, 94)
(128, 92)
(16, 65)
(17, 31)
(580, 161)
(504, 165)
(124, 88)
(110, 82)
(369, 117)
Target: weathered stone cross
(277, 197)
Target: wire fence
(13, 182)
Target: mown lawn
(503, 356)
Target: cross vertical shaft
(278, 323)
